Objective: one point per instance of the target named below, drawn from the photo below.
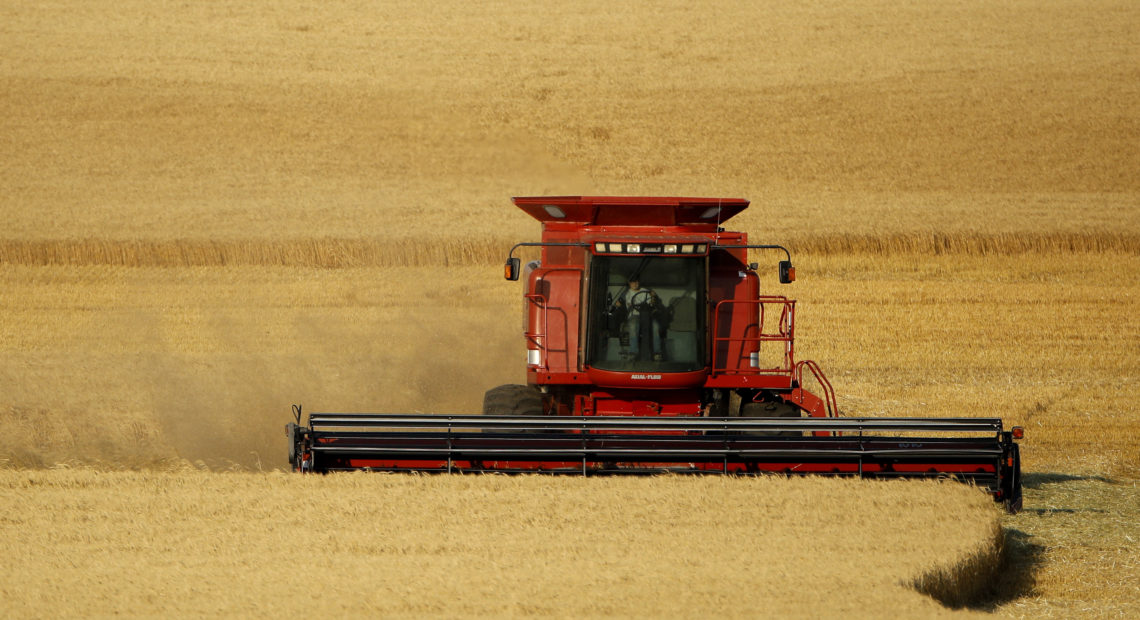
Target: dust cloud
(232, 411)
(162, 368)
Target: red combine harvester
(650, 349)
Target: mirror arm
(511, 268)
(787, 272)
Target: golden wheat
(958, 181)
(903, 335)
(957, 582)
(97, 543)
(489, 250)
(967, 243)
(150, 367)
(323, 253)
(281, 122)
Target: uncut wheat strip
(968, 243)
(466, 251)
(959, 583)
(323, 253)
(652, 546)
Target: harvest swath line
(335, 253)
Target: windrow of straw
(334, 253)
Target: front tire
(514, 400)
(771, 409)
(520, 400)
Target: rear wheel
(771, 409)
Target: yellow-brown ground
(213, 210)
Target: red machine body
(650, 348)
(738, 346)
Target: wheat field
(211, 211)
(477, 546)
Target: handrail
(534, 338)
(828, 392)
(785, 333)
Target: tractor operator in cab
(644, 315)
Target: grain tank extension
(650, 348)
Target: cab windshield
(646, 313)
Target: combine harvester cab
(649, 349)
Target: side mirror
(787, 272)
(511, 269)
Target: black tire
(771, 409)
(520, 400)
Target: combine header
(650, 349)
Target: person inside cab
(642, 314)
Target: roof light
(554, 211)
(710, 212)
(611, 247)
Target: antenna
(716, 237)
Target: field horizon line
(349, 252)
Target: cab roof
(631, 210)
